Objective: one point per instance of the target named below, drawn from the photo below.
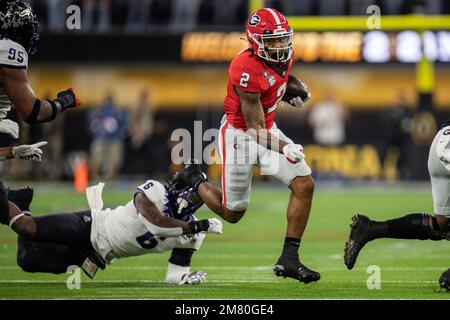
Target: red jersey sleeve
(247, 74)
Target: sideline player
(422, 226)
(249, 136)
(158, 219)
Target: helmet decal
(254, 20)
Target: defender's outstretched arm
(164, 226)
(31, 109)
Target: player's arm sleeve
(12, 55)
(150, 208)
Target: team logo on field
(446, 132)
(254, 20)
(265, 74)
(272, 80)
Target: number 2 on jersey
(244, 79)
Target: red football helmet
(269, 35)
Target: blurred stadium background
(143, 68)
(163, 65)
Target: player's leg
(179, 266)
(421, 226)
(298, 178)
(4, 205)
(43, 257)
(238, 154)
(71, 229)
(299, 207)
(444, 280)
(213, 197)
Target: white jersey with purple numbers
(118, 233)
(12, 55)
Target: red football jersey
(250, 73)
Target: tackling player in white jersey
(422, 226)
(158, 219)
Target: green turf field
(239, 262)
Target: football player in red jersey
(248, 136)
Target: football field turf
(239, 262)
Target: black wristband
(197, 180)
(199, 226)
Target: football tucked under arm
(297, 93)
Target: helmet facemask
(183, 202)
(274, 47)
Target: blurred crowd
(120, 140)
(117, 140)
(185, 15)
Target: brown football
(295, 88)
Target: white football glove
(215, 226)
(298, 102)
(193, 278)
(293, 152)
(29, 152)
(9, 127)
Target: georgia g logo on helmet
(254, 20)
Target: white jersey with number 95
(12, 55)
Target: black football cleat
(21, 197)
(444, 280)
(360, 234)
(292, 268)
